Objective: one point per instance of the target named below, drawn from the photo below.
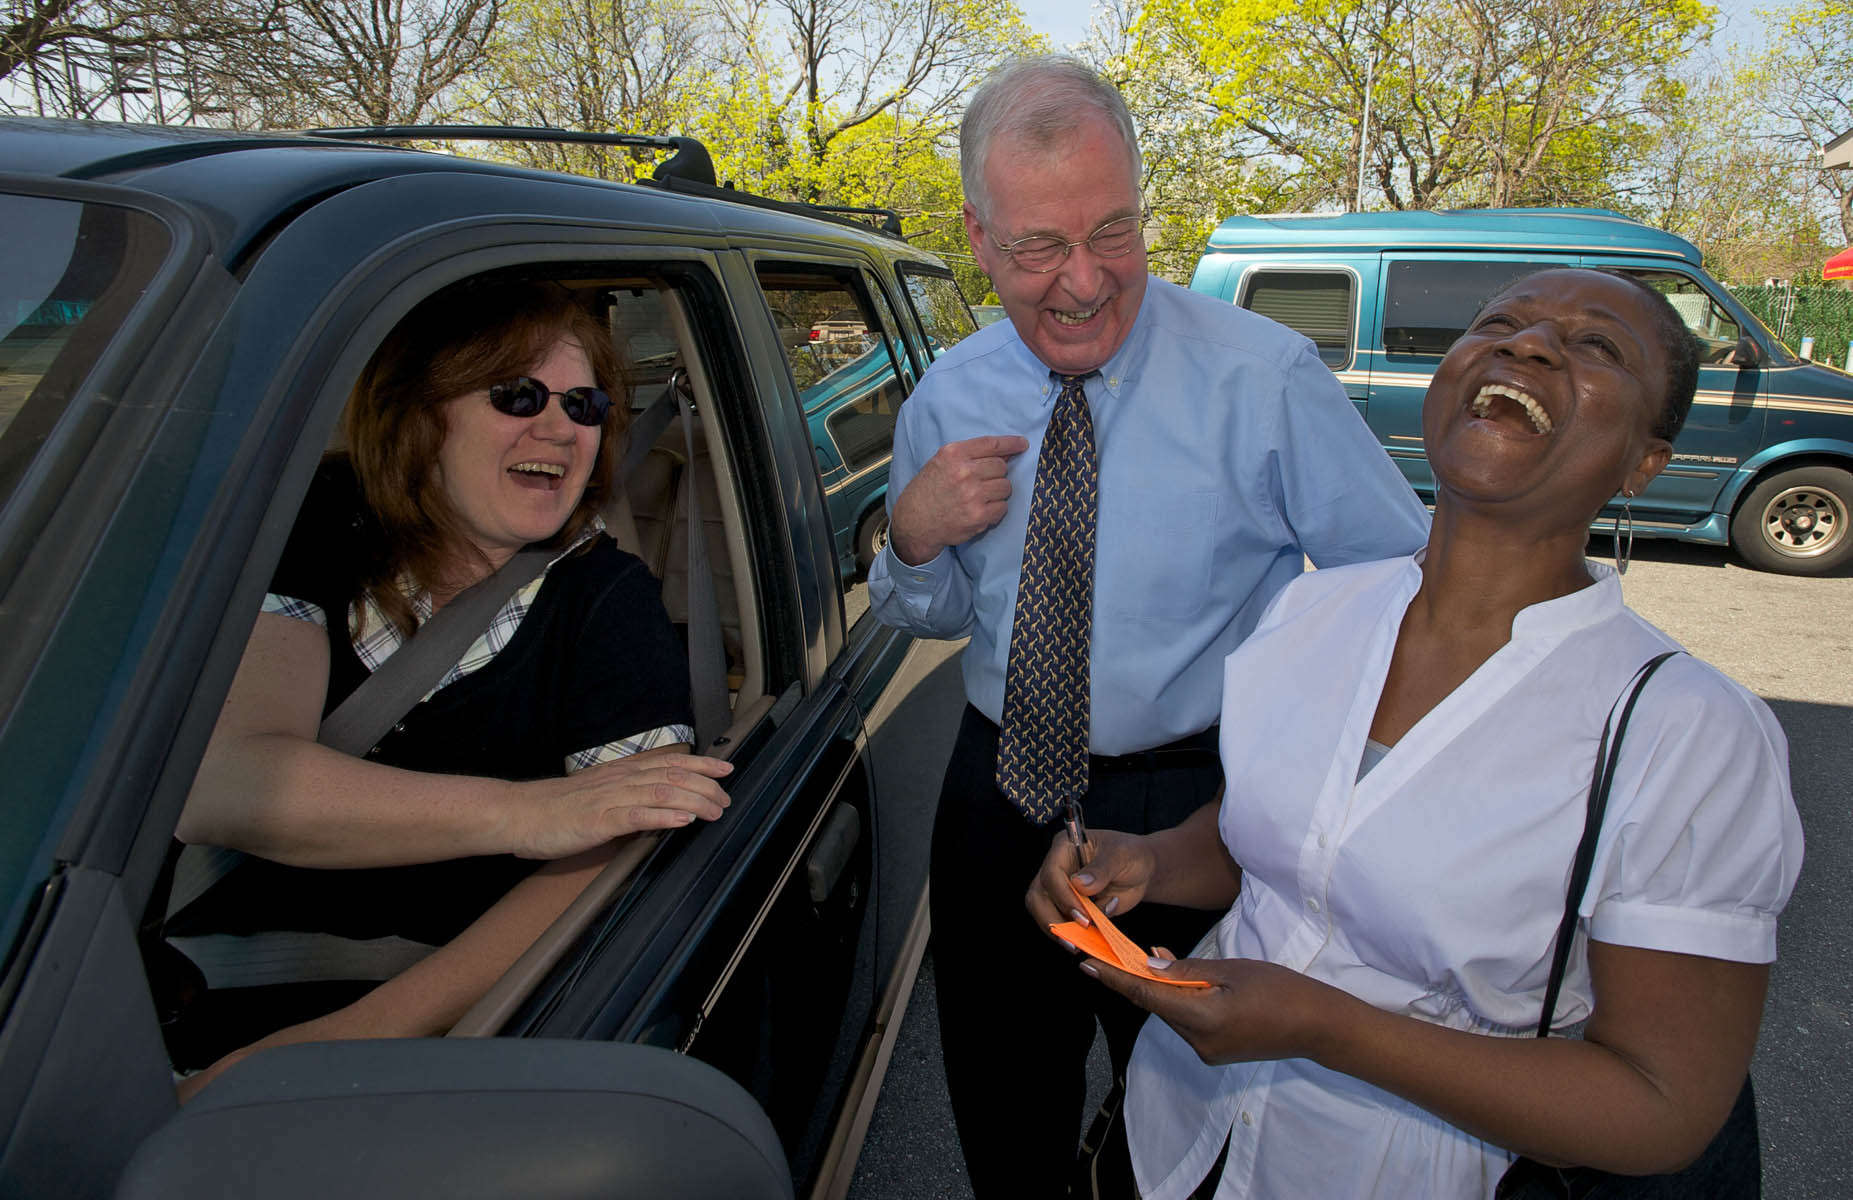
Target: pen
(1077, 830)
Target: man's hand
(958, 494)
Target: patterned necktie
(1042, 750)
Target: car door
(748, 943)
(157, 570)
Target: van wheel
(1797, 522)
(871, 537)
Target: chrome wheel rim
(1804, 522)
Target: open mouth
(1510, 406)
(1065, 317)
(539, 475)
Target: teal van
(1765, 463)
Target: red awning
(1840, 266)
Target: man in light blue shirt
(1227, 454)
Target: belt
(1199, 749)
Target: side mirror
(445, 1117)
(1747, 354)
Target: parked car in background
(182, 317)
(1765, 462)
(987, 314)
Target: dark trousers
(1016, 1015)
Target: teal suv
(1765, 463)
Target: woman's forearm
(1644, 1103)
(1192, 867)
(291, 800)
(430, 996)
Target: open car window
(669, 499)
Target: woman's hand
(1115, 878)
(658, 789)
(333, 1027)
(1252, 1011)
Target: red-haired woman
(483, 425)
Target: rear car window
(1427, 304)
(941, 309)
(73, 274)
(1317, 304)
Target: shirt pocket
(1154, 550)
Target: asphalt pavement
(1788, 639)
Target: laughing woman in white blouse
(1408, 746)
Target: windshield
(73, 273)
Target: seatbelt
(386, 695)
(707, 655)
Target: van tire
(1797, 522)
(871, 536)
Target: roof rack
(689, 169)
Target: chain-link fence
(1816, 319)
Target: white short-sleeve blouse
(1433, 886)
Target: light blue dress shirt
(1228, 453)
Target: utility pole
(1370, 75)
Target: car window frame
(906, 268)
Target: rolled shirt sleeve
(1700, 798)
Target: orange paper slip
(1103, 941)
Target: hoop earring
(1624, 550)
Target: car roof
(1497, 229)
(242, 184)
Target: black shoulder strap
(1607, 754)
(403, 679)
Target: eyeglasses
(524, 396)
(1041, 253)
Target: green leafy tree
(1493, 102)
(1807, 79)
(1197, 169)
(631, 66)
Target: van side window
(939, 306)
(1715, 328)
(1427, 304)
(1314, 303)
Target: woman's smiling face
(515, 480)
(1550, 397)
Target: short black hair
(1683, 350)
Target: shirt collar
(1551, 618)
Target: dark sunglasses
(524, 396)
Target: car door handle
(832, 851)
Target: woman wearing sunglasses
(484, 424)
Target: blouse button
(1322, 841)
(1312, 902)
(1247, 1120)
